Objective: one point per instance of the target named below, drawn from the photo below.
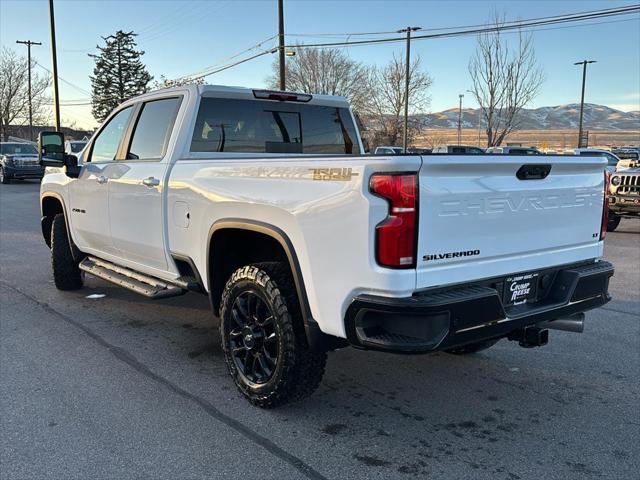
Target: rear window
(254, 126)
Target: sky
(184, 37)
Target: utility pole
(460, 97)
(28, 43)
(407, 73)
(584, 64)
(54, 70)
(283, 83)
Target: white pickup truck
(265, 202)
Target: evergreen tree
(119, 73)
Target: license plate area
(520, 289)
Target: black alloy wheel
(263, 337)
(253, 338)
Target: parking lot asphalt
(123, 387)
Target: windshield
(17, 149)
(612, 160)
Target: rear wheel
(263, 337)
(613, 221)
(473, 347)
(3, 178)
(66, 273)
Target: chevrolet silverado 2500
(265, 202)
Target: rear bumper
(448, 318)
(23, 172)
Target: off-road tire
(613, 222)
(3, 178)
(473, 347)
(66, 274)
(299, 370)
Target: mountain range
(559, 117)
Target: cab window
(106, 143)
(153, 129)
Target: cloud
(625, 107)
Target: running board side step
(146, 285)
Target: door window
(106, 144)
(153, 129)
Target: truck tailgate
(478, 220)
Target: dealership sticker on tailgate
(519, 289)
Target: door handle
(102, 179)
(151, 182)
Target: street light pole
(584, 64)
(460, 97)
(54, 69)
(28, 43)
(283, 83)
(479, 117)
(407, 74)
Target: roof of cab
(222, 91)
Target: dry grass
(543, 139)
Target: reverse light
(396, 235)
(605, 206)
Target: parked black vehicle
(624, 196)
(19, 161)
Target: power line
(543, 21)
(215, 68)
(519, 25)
(459, 27)
(192, 15)
(226, 67)
(63, 80)
(523, 30)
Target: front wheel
(613, 221)
(263, 337)
(66, 273)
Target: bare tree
(504, 80)
(326, 71)
(14, 92)
(384, 109)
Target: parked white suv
(265, 202)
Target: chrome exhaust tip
(573, 323)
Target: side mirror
(51, 149)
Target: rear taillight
(396, 235)
(605, 206)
